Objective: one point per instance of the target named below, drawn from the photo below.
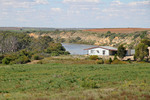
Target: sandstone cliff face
(93, 37)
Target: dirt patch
(33, 35)
(34, 62)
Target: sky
(75, 13)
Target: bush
(129, 60)
(1, 58)
(40, 62)
(142, 62)
(107, 62)
(54, 53)
(6, 61)
(118, 62)
(21, 60)
(110, 60)
(115, 57)
(66, 53)
(89, 84)
(36, 57)
(93, 57)
(100, 61)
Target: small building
(102, 51)
(130, 52)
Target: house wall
(149, 51)
(98, 51)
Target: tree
(146, 41)
(108, 32)
(41, 43)
(141, 51)
(121, 51)
(12, 42)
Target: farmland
(118, 30)
(75, 82)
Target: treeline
(20, 48)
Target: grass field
(75, 82)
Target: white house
(102, 51)
(108, 51)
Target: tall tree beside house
(146, 41)
(141, 51)
(121, 51)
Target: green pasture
(75, 82)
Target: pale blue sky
(75, 13)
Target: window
(103, 52)
(97, 51)
(92, 51)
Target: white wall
(98, 51)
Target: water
(77, 49)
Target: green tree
(146, 41)
(115, 57)
(141, 51)
(55, 47)
(121, 51)
(40, 44)
(110, 60)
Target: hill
(104, 36)
(109, 37)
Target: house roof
(103, 47)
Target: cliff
(96, 38)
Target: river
(77, 49)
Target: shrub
(107, 62)
(93, 57)
(110, 60)
(89, 84)
(40, 62)
(1, 58)
(21, 60)
(129, 60)
(115, 57)
(100, 61)
(118, 62)
(142, 62)
(36, 57)
(6, 61)
(66, 53)
(54, 53)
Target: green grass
(75, 82)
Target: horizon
(75, 13)
(75, 27)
